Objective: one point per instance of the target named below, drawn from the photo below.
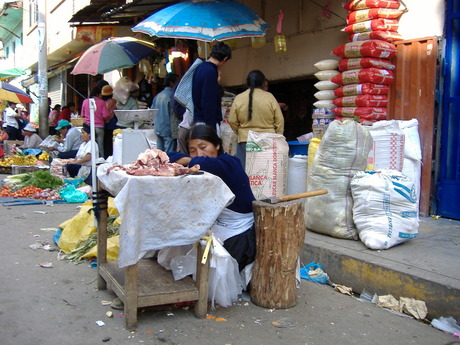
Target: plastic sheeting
(158, 211)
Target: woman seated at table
(235, 225)
(81, 165)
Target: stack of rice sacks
(365, 66)
(322, 113)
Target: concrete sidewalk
(425, 268)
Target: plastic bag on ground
(70, 194)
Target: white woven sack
(267, 157)
(325, 95)
(326, 85)
(388, 147)
(326, 64)
(327, 74)
(385, 209)
(342, 152)
(412, 152)
(324, 104)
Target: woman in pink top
(54, 118)
(101, 115)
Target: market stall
(156, 212)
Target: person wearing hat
(111, 123)
(81, 165)
(31, 138)
(69, 140)
(101, 115)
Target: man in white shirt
(12, 126)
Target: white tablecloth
(158, 211)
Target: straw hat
(106, 90)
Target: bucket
(296, 148)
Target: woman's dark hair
(95, 91)
(57, 107)
(86, 128)
(205, 132)
(254, 80)
(220, 51)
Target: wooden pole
(280, 234)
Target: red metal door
(412, 95)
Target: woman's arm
(82, 160)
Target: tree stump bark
(280, 234)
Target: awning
(11, 15)
(120, 12)
(11, 72)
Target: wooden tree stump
(280, 234)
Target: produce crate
(22, 169)
(5, 170)
(77, 121)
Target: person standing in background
(10, 118)
(101, 115)
(256, 110)
(54, 119)
(67, 111)
(206, 92)
(162, 121)
(111, 123)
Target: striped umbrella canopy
(204, 20)
(14, 94)
(113, 53)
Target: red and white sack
(365, 113)
(373, 13)
(346, 64)
(385, 208)
(267, 157)
(388, 146)
(371, 48)
(361, 89)
(381, 24)
(363, 4)
(342, 152)
(378, 101)
(364, 122)
(364, 75)
(389, 36)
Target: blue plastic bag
(70, 194)
(322, 278)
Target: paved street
(60, 305)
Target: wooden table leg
(101, 236)
(202, 276)
(131, 275)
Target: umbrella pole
(92, 107)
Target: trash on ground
(413, 307)
(106, 302)
(45, 264)
(367, 296)
(169, 314)
(284, 323)
(100, 323)
(388, 302)
(343, 289)
(106, 339)
(40, 212)
(220, 319)
(210, 317)
(314, 272)
(109, 314)
(447, 324)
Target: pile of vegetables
(40, 178)
(30, 192)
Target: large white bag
(343, 151)
(267, 157)
(385, 208)
(388, 147)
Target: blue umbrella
(204, 20)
